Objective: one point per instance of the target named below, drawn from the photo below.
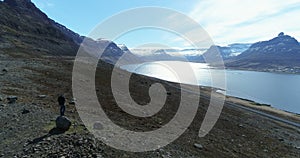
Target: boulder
(72, 101)
(62, 123)
(4, 70)
(12, 99)
(42, 96)
(199, 146)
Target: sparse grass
(258, 104)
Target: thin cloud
(42, 4)
(247, 21)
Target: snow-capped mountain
(226, 52)
(281, 52)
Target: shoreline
(257, 70)
(269, 109)
(250, 102)
(254, 70)
(232, 69)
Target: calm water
(282, 91)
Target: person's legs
(62, 110)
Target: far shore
(273, 71)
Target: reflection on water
(280, 90)
(156, 70)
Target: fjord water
(279, 90)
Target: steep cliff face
(25, 29)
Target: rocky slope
(25, 28)
(29, 124)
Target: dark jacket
(61, 100)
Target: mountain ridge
(26, 31)
(25, 28)
(279, 54)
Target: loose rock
(3, 105)
(25, 111)
(241, 126)
(199, 146)
(42, 96)
(281, 139)
(73, 101)
(12, 99)
(4, 70)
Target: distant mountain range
(192, 55)
(225, 52)
(149, 55)
(280, 54)
(26, 30)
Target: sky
(226, 21)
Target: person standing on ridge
(61, 101)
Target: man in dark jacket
(61, 101)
